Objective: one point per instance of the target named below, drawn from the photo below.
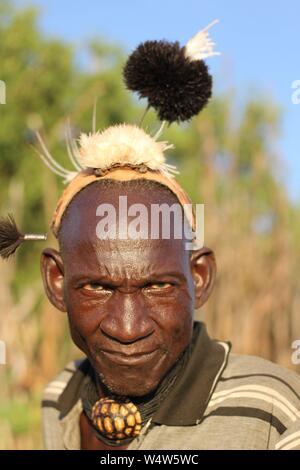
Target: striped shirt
(221, 401)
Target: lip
(129, 359)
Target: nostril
(128, 320)
(124, 333)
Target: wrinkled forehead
(124, 228)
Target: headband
(87, 177)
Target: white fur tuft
(122, 145)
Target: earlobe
(204, 269)
(53, 277)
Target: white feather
(51, 163)
(201, 46)
(122, 145)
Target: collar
(187, 401)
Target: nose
(127, 319)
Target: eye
(96, 287)
(158, 286)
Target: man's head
(130, 303)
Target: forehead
(83, 250)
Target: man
(130, 305)
(152, 377)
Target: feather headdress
(123, 145)
(174, 79)
(177, 84)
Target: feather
(175, 80)
(51, 163)
(94, 115)
(70, 148)
(201, 46)
(10, 237)
(160, 131)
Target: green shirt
(220, 401)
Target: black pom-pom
(176, 87)
(10, 237)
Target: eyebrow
(109, 278)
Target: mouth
(129, 359)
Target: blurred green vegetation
(227, 160)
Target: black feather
(176, 87)
(10, 237)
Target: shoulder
(251, 369)
(54, 389)
(259, 390)
(52, 405)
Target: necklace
(117, 420)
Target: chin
(136, 381)
(133, 387)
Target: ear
(204, 269)
(53, 277)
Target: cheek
(174, 317)
(84, 314)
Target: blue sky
(259, 41)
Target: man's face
(130, 302)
